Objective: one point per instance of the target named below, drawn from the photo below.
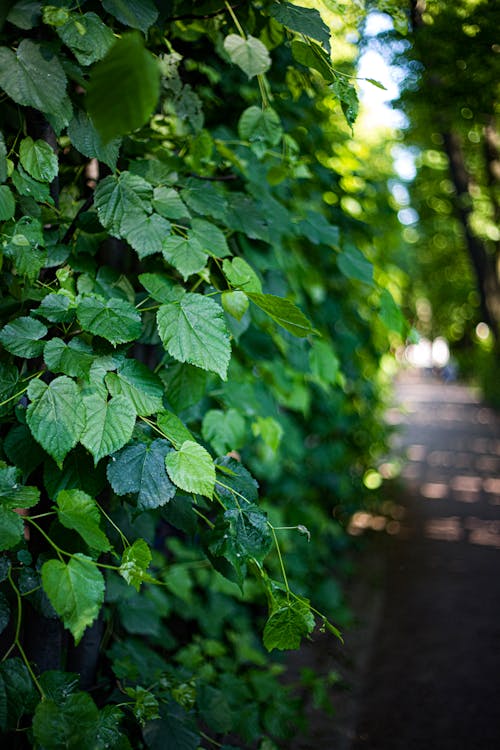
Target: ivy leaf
(87, 37)
(248, 54)
(38, 159)
(210, 237)
(33, 77)
(235, 303)
(70, 723)
(120, 197)
(139, 14)
(353, 265)
(225, 431)
(136, 381)
(22, 337)
(288, 624)
(284, 313)
(7, 203)
(135, 562)
(86, 139)
(173, 428)
(240, 274)
(306, 21)
(114, 319)
(73, 358)
(191, 469)
(109, 424)
(193, 330)
(75, 590)
(140, 468)
(146, 234)
(13, 494)
(184, 254)
(123, 87)
(55, 415)
(77, 510)
(11, 528)
(260, 125)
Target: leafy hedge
(189, 366)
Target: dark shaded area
(433, 680)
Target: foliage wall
(195, 313)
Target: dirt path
(433, 679)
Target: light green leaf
(169, 204)
(140, 468)
(193, 330)
(269, 430)
(123, 88)
(55, 415)
(184, 254)
(136, 381)
(287, 625)
(33, 77)
(348, 97)
(260, 125)
(11, 528)
(353, 264)
(235, 303)
(77, 510)
(248, 54)
(7, 203)
(118, 198)
(74, 358)
(378, 84)
(86, 139)
(191, 469)
(109, 424)
(146, 234)
(306, 21)
(323, 362)
(174, 429)
(139, 14)
(135, 562)
(284, 313)
(38, 159)
(87, 37)
(239, 274)
(69, 724)
(114, 319)
(210, 237)
(225, 431)
(75, 590)
(391, 315)
(22, 337)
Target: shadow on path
(433, 681)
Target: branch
(71, 229)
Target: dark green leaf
(4, 614)
(139, 14)
(67, 725)
(17, 693)
(74, 358)
(313, 56)
(87, 37)
(174, 731)
(225, 431)
(242, 535)
(306, 21)
(140, 468)
(55, 415)
(185, 385)
(13, 494)
(146, 234)
(204, 198)
(11, 528)
(22, 449)
(114, 319)
(168, 203)
(210, 237)
(260, 126)
(33, 77)
(109, 424)
(136, 381)
(348, 97)
(287, 625)
(22, 337)
(86, 139)
(234, 483)
(353, 264)
(7, 203)
(120, 198)
(58, 308)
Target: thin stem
(235, 492)
(235, 20)
(207, 520)
(17, 634)
(282, 566)
(60, 552)
(124, 539)
(209, 739)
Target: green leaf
(87, 37)
(58, 308)
(25, 14)
(242, 535)
(284, 313)
(391, 315)
(74, 358)
(376, 83)
(269, 430)
(306, 21)
(3, 158)
(22, 449)
(235, 303)
(260, 125)
(348, 97)
(210, 237)
(66, 725)
(38, 159)
(86, 139)
(136, 381)
(18, 695)
(323, 362)
(13, 494)
(22, 337)
(160, 287)
(4, 618)
(191, 469)
(234, 482)
(204, 198)
(313, 56)
(185, 385)
(119, 197)
(248, 54)
(240, 274)
(184, 254)
(11, 528)
(288, 624)
(135, 562)
(27, 186)
(225, 431)
(33, 77)
(174, 731)
(317, 229)
(139, 14)
(140, 468)
(175, 430)
(353, 264)
(55, 415)
(109, 424)
(77, 510)
(7, 203)
(146, 705)
(146, 234)
(168, 203)
(193, 330)
(123, 88)
(75, 590)
(114, 319)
